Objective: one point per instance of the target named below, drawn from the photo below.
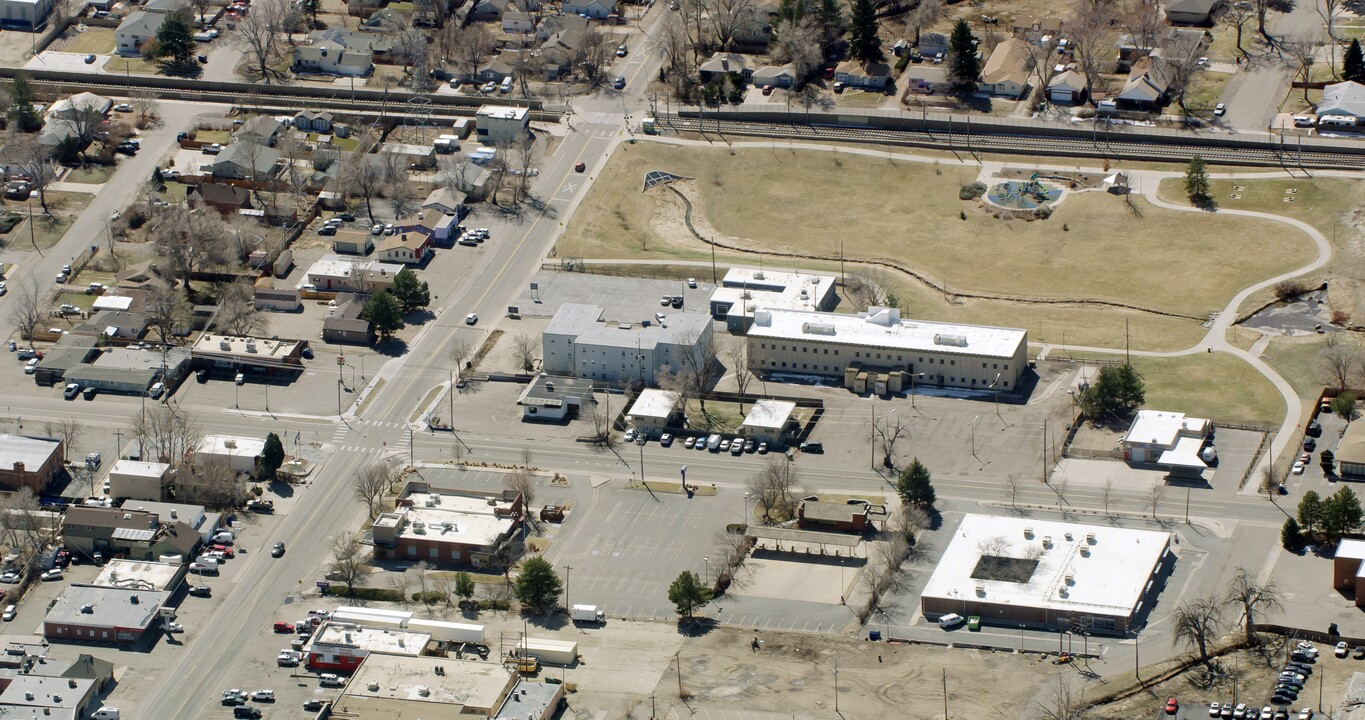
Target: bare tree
(798, 43)
(774, 488)
(1062, 703)
(1252, 597)
(166, 434)
(1142, 20)
(1197, 623)
(1263, 9)
(595, 53)
(1339, 361)
(1180, 60)
(925, 14)
(36, 159)
(350, 560)
(371, 483)
(869, 287)
(200, 7)
(295, 154)
(741, 365)
(1041, 65)
(1091, 41)
(262, 33)
(1012, 485)
(167, 308)
(145, 105)
(729, 18)
(460, 350)
(1106, 493)
(28, 308)
(472, 47)
(188, 240)
(211, 482)
(679, 55)
(524, 348)
(70, 431)
(886, 432)
(237, 314)
(522, 482)
(1300, 54)
(1328, 10)
(523, 161)
(1158, 491)
(1236, 15)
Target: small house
(778, 76)
(409, 248)
(345, 325)
(1067, 86)
(873, 76)
(722, 64)
(313, 121)
(933, 44)
(222, 197)
(597, 9)
(1191, 12)
(353, 242)
(1006, 72)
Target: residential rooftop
(654, 403)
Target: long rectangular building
(879, 340)
(579, 342)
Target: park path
(1148, 182)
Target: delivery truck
(587, 613)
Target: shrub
(430, 597)
(971, 191)
(369, 593)
(1288, 289)
(492, 604)
(1341, 318)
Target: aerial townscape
(682, 359)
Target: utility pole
(678, 661)
(945, 693)
(568, 570)
(411, 463)
(836, 684)
(1044, 451)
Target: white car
(1342, 649)
(53, 574)
(31, 366)
(630, 435)
(10, 612)
(174, 627)
(471, 319)
(1306, 714)
(692, 283)
(123, 107)
(240, 379)
(1219, 109)
(9, 576)
(287, 658)
(156, 390)
(1298, 467)
(263, 696)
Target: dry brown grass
(787, 200)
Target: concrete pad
(1094, 473)
(796, 580)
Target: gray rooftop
(583, 321)
(539, 392)
(108, 607)
(529, 699)
(32, 451)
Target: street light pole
(836, 683)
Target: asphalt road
(1254, 94)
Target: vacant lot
(812, 202)
(99, 41)
(1216, 386)
(1296, 360)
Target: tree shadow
(696, 626)
(393, 347)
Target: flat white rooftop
(769, 414)
(464, 682)
(501, 112)
(883, 328)
(376, 640)
(248, 346)
(746, 290)
(652, 403)
(1093, 569)
(1154, 427)
(233, 445)
(137, 468)
(456, 519)
(138, 575)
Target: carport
(802, 541)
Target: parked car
(156, 390)
(1342, 649)
(692, 283)
(763, 448)
(620, 82)
(314, 704)
(9, 576)
(665, 440)
(1298, 468)
(89, 59)
(287, 658)
(53, 574)
(1219, 109)
(263, 696)
(736, 447)
(1172, 706)
(246, 711)
(211, 149)
(89, 392)
(622, 50)
(283, 627)
(31, 366)
(690, 443)
(329, 680)
(201, 591)
(812, 447)
(10, 612)
(233, 697)
(630, 435)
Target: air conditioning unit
(1090, 538)
(1028, 532)
(1068, 537)
(1070, 579)
(1047, 541)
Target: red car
(284, 627)
(829, 73)
(580, 167)
(1172, 707)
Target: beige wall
(940, 366)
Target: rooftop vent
(133, 599)
(87, 608)
(1068, 536)
(224, 345)
(811, 328)
(1047, 541)
(953, 340)
(1028, 532)
(1090, 538)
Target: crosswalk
(384, 423)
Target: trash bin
(874, 634)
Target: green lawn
(1296, 360)
(213, 136)
(1205, 92)
(132, 65)
(1215, 386)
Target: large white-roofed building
(1044, 574)
(743, 291)
(580, 342)
(879, 342)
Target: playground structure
(1028, 194)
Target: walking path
(1215, 340)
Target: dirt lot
(793, 673)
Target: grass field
(811, 202)
(133, 65)
(1296, 360)
(213, 136)
(99, 41)
(1215, 386)
(91, 174)
(1317, 201)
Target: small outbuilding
(769, 421)
(552, 398)
(654, 410)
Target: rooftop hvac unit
(373, 687)
(1068, 537)
(429, 502)
(1028, 532)
(224, 345)
(87, 608)
(1085, 551)
(1070, 579)
(1062, 591)
(419, 527)
(981, 590)
(953, 340)
(758, 275)
(1047, 541)
(438, 498)
(251, 346)
(1090, 538)
(28, 695)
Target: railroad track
(1130, 147)
(397, 106)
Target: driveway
(1253, 96)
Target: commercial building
(138, 480)
(400, 686)
(135, 534)
(28, 14)
(879, 341)
(654, 410)
(198, 518)
(849, 516)
(140, 575)
(445, 526)
(1021, 572)
(240, 453)
(550, 398)
(1350, 455)
(743, 291)
(29, 461)
(272, 357)
(770, 421)
(498, 123)
(345, 325)
(33, 697)
(103, 615)
(344, 646)
(405, 249)
(578, 341)
(1167, 439)
(1348, 570)
(333, 273)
